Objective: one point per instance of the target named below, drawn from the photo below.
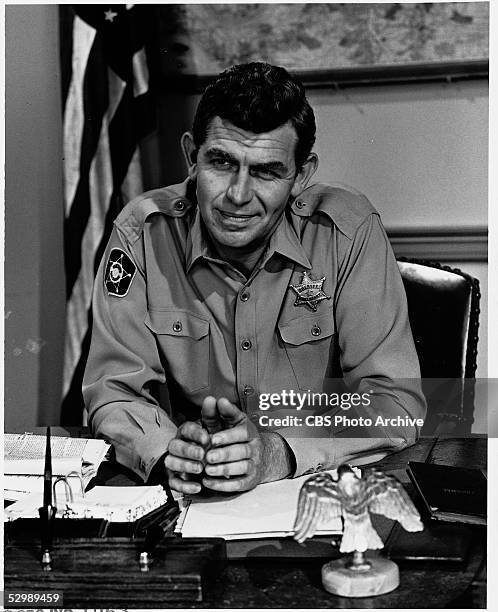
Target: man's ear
(190, 153)
(304, 175)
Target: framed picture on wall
(326, 44)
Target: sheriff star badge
(309, 291)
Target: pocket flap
(307, 328)
(177, 323)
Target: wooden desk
(296, 583)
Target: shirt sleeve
(378, 358)
(123, 367)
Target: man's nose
(239, 191)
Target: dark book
(439, 543)
(451, 494)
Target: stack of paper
(25, 454)
(24, 462)
(267, 511)
(116, 504)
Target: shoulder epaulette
(346, 207)
(170, 201)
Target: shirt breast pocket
(308, 342)
(183, 339)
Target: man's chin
(235, 239)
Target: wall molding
(441, 244)
(359, 76)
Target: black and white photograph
(246, 347)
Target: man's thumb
(230, 414)
(209, 415)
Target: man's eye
(264, 174)
(220, 163)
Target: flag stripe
(116, 89)
(96, 99)
(74, 118)
(140, 73)
(132, 184)
(66, 21)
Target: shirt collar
(283, 241)
(197, 244)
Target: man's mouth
(236, 217)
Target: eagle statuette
(353, 498)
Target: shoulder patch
(119, 273)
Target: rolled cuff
(148, 451)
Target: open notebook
(267, 511)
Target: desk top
(295, 583)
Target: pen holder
(105, 573)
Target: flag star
(110, 15)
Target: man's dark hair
(258, 97)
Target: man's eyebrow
(214, 152)
(271, 166)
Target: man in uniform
(244, 281)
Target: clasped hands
(225, 453)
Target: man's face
(244, 181)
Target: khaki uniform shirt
(196, 323)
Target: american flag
(106, 71)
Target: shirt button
(248, 390)
(246, 345)
(177, 326)
(300, 204)
(179, 206)
(315, 330)
(244, 296)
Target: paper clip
(80, 478)
(69, 491)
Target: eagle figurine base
(359, 577)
